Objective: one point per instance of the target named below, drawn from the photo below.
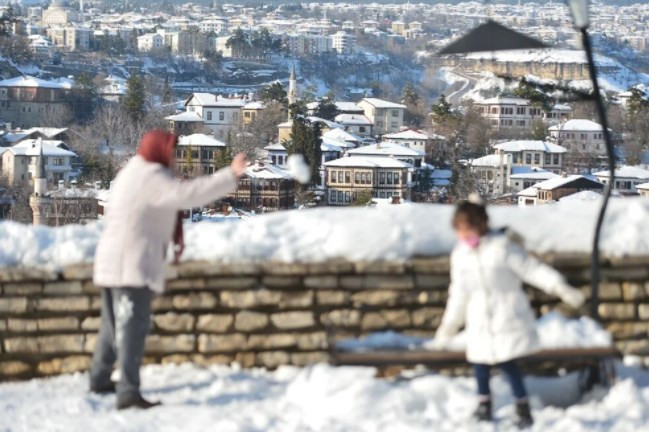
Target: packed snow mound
(360, 234)
(318, 398)
(554, 330)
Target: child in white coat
(487, 298)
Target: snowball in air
(298, 168)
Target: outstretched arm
(541, 275)
(455, 312)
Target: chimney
(73, 184)
(396, 200)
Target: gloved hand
(573, 297)
(443, 338)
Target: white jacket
(140, 220)
(486, 296)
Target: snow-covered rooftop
(407, 135)
(560, 181)
(503, 100)
(526, 173)
(577, 125)
(626, 171)
(348, 107)
(212, 100)
(492, 161)
(586, 195)
(529, 145)
(201, 140)
(643, 186)
(254, 106)
(353, 119)
(30, 81)
(550, 55)
(264, 171)
(342, 135)
(368, 162)
(386, 149)
(31, 147)
(186, 116)
(380, 103)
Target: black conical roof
(491, 36)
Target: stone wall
(271, 314)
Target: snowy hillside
(386, 233)
(317, 398)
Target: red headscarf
(158, 146)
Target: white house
(150, 42)
(518, 113)
(390, 150)
(627, 178)
(219, 114)
(643, 189)
(344, 138)
(343, 42)
(530, 153)
(386, 116)
(579, 135)
(355, 123)
(525, 177)
(556, 188)
(416, 139)
(18, 163)
(277, 155)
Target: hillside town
(396, 123)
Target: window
(382, 178)
(361, 129)
(348, 177)
(520, 110)
(58, 161)
(555, 159)
(514, 157)
(395, 113)
(537, 159)
(389, 178)
(357, 177)
(221, 116)
(548, 158)
(209, 115)
(381, 194)
(340, 196)
(246, 114)
(528, 159)
(333, 176)
(396, 178)
(394, 125)
(273, 160)
(340, 176)
(583, 136)
(347, 197)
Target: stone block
(309, 358)
(250, 299)
(63, 304)
(77, 272)
(403, 282)
(375, 297)
(431, 282)
(170, 344)
(203, 268)
(175, 359)
(245, 359)
(174, 322)
(321, 282)
(633, 291)
(389, 319)
(78, 363)
(248, 321)
(352, 282)
(214, 323)
(616, 311)
(20, 345)
(283, 269)
(67, 287)
(20, 274)
(643, 312)
(428, 318)
(282, 282)
(22, 325)
(293, 320)
(162, 303)
(221, 343)
(341, 318)
(53, 324)
(330, 297)
(312, 341)
(330, 267)
(436, 265)
(70, 343)
(194, 301)
(3, 325)
(185, 284)
(231, 283)
(14, 368)
(90, 288)
(609, 291)
(380, 267)
(49, 367)
(273, 359)
(296, 299)
(13, 305)
(22, 289)
(91, 341)
(90, 323)
(273, 341)
(206, 360)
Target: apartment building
(386, 116)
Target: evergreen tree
(441, 109)
(413, 115)
(6, 22)
(425, 183)
(327, 109)
(167, 93)
(410, 96)
(134, 100)
(362, 198)
(306, 140)
(274, 92)
(637, 103)
(83, 98)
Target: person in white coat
(487, 298)
(141, 220)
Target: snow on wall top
(543, 56)
(366, 234)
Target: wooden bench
(595, 364)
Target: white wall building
(627, 179)
(580, 135)
(219, 114)
(343, 42)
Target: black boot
(102, 390)
(483, 412)
(136, 402)
(523, 414)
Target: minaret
(292, 91)
(37, 199)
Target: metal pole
(601, 110)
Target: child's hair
(473, 212)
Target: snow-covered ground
(317, 398)
(381, 233)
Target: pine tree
(410, 96)
(425, 183)
(275, 92)
(83, 98)
(134, 100)
(167, 93)
(637, 103)
(327, 109)
(306, 140)
(442, 108)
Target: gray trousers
(125, 322)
